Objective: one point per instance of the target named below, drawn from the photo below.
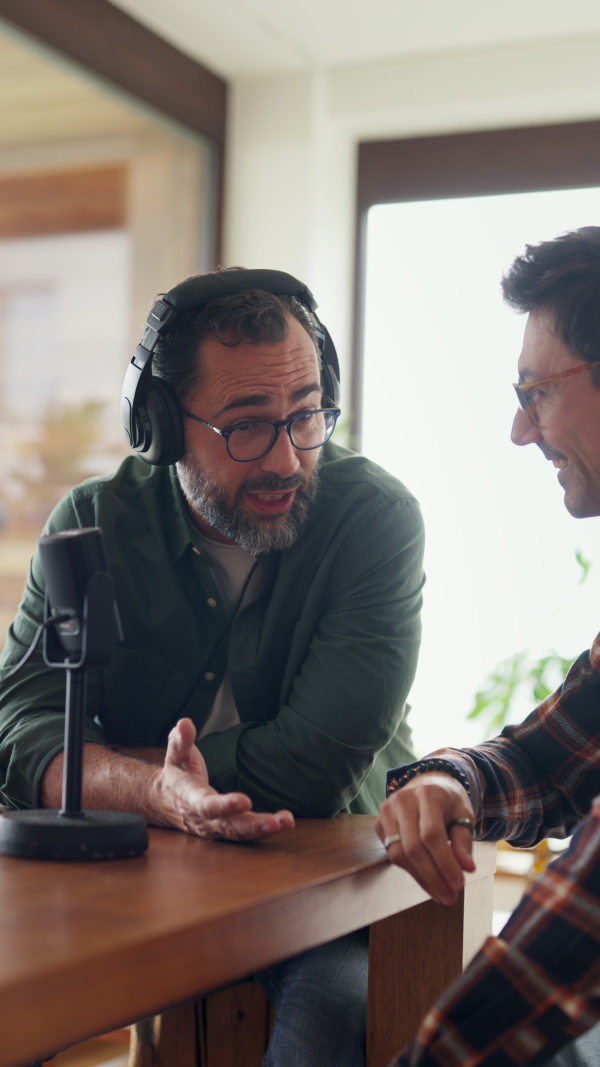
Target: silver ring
(391, 840)
(467, 823)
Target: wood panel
(105, 40)
(229, 1028)
(235, 1026)
(413, 957)
(527, 159)
(69, 201)
(169, 1040)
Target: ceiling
(43, 98)
(264, 37)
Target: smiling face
(569, 416)
(262, 504)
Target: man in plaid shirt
(536, 987)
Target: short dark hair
(562, 278)
(252, 317)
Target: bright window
(441, 350)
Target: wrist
(400, 777)
(122, 782)
(162, 810)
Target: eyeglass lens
(252, 440)
(527, 404)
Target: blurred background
(396, 158)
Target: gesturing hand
(184, 798)
(420, 813)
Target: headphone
(151, 416)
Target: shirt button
(209, 676)
(211, 602)
(196, 550)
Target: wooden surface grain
(89, 947)
(77, 200)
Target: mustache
(273, 484)
(548, 452)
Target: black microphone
(78, 585)
(80, 627)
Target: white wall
(290, 197)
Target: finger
(461, 841)
(285, 819)
(424, 861)
(181, 750)
(386, 823)
(402, 817)
(222, 806)
(436, 837)
(249, 826)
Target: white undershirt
(231, 567)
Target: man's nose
(523, 431)
(283, 458)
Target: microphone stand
(71, 833)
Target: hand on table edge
(420, 812)
(175, 794)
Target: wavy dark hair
(562, 278)
(252, 317)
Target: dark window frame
(527, 159)
(101, 38)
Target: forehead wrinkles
(237, 374)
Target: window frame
(484, 163)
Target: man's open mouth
(272, 503)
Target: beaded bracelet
(422, 767)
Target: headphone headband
(185, 296)
(150, 414)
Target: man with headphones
(269, 586)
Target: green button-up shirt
(320, 663)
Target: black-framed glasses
(252, 439)
(525, 390)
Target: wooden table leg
(236, 1025)
(413, 956)
(225, 1029)
(168, 1040)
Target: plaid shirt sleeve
(534, 988)
(538, 778)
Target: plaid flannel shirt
(536, 986)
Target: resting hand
(184, 798)
(420, 813)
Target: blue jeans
(320, 1000)
(583, 1052)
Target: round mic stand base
(46, 834)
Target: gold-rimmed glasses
(524, 390)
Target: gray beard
(263, 534)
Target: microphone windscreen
(69, 559)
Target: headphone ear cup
(329, 383)
(164, 437)
(330, 367)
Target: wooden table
(86, 948)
